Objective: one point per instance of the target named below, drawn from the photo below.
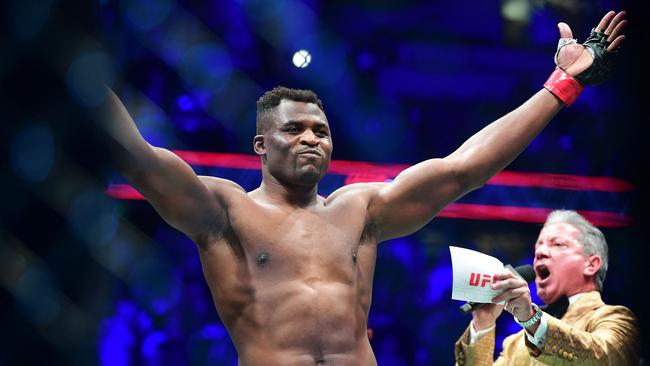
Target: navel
(262, 259)
(354, 256)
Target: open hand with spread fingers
(591, 62)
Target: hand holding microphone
(525, 271)
(515, 292)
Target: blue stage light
(206, 67)
(213, 331)
(117, 336)
(154, 282)
(438, 283)
(184, 103)
(566, 142)
(365, 60)
(188, 123)
(151, 343)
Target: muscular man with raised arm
(290, 271)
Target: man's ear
(258, 145)
(594, 263)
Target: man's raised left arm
(418, 193)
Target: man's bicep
(181, 198)
(415, 196)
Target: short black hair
(272, 98)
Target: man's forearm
(130, 153)
(495, 146)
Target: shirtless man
(291, 272)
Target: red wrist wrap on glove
(563, 86)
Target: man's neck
(285, 194)
(577, 293)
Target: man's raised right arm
(182, 198)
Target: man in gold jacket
(570, 261)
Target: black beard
(301, 175)
(308, 177)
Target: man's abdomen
(304, 322)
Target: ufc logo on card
(476, 279)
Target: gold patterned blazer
(589, 333)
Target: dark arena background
(89, 273)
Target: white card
(473, 275)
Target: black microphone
(525, 271)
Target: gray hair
(591, 238)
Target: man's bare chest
(319, 243)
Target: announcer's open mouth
(542, 272)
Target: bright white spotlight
(301, 58)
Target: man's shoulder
(607, 310)
(593, 301)
(220, 185)
(355, 190)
